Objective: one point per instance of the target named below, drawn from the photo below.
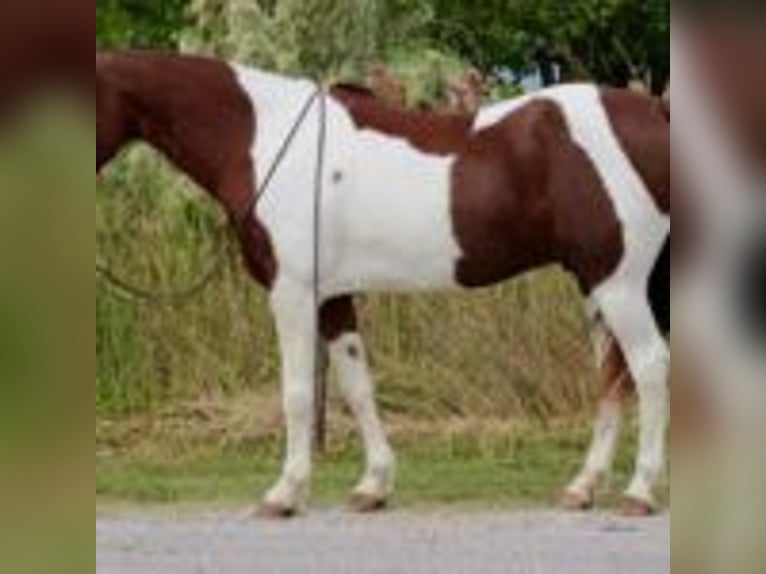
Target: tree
(608, 41)
(328, 39)
(139, 24)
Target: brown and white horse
(576, 176)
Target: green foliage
(604, 40)
(139, 23)
(311, 37)
(609, 41)
(425, 72)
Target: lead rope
(129, 293)
(320, 350)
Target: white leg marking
(628, 314)
(606, 430)
(601, 453)
(296, 322)
(348, 357)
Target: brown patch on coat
(194, 112)
(642, 125)
(438, 133)
(525, 195)
(337, 317)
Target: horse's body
(415, 200)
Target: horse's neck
(195, 115)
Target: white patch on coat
(606, 428)
(598, 462)
(349, 359)
(386, 221)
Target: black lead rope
(320, 351)
(256, 197)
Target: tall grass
(516, 351)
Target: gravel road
(395, 543)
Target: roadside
(496, 466)
(443, 542)
(469, 497)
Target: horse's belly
(393, 225)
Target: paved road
(395, 543)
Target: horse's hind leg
(348, 358)
(616, 387)
(627, 312)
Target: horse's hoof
(275, 511)
(632, 507)
(576, 501)
(364, 503)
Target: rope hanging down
(320, 358)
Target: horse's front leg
(349, 359)
(296, 321)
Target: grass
(473, 466)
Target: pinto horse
(415, 200)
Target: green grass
(522, 468)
